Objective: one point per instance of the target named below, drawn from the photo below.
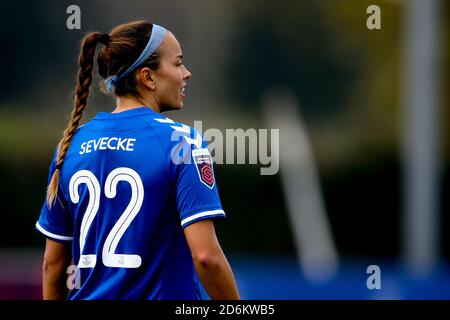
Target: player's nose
(187, 74)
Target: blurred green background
(346, 79)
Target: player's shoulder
(164, 123)
(170, 130)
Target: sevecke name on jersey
(108, 143)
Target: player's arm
(56, 260)
(210, 262)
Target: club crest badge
(203, 162)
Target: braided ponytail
(86, 64)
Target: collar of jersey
(126, 114)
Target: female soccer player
(132, 191)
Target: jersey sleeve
(55, 222)
(196, 189)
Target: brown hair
(123, 45)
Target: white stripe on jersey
(201, 214)
(52, 235)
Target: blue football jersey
(130, 183)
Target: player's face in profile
(172, 75)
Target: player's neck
(127, 103)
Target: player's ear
(146, 77)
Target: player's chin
(177, 101)
(179, 104)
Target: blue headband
(158, 34)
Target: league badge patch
(203, 162)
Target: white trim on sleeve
(52, 235)
(200, 215)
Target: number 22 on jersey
(109, 257)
